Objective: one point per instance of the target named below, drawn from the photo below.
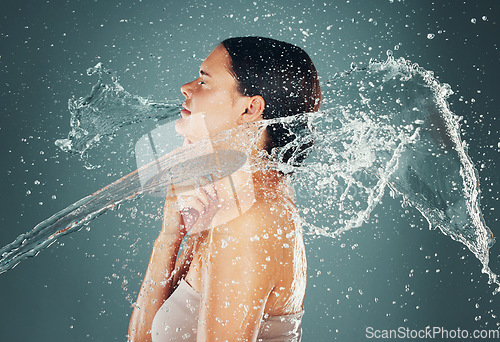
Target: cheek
(220, 114)
(219, 120)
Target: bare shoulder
(264, 213)
(260, 229)
(262, 233)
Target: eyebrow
(203, 72)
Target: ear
(253, 110)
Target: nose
(186, 89)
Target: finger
(197, 199)
(203, 199)
(204, 196)
(190, 216)
(191, 201)
(211, 194)
(200, 195)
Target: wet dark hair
(286, 78)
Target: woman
(240, 277)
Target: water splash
(391, 127)
(105, 110)
(387, 126)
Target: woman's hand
(190, 211)
(198, 207)
(189, 207)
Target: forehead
(218, 62)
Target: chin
(179, 127)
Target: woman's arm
(157, 284)
(237, 278)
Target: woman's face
(213, 103)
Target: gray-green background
(385, 275)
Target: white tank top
(177, 320)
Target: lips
(185, 109)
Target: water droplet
(484, 18)
(473, 20)
(431, 36)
